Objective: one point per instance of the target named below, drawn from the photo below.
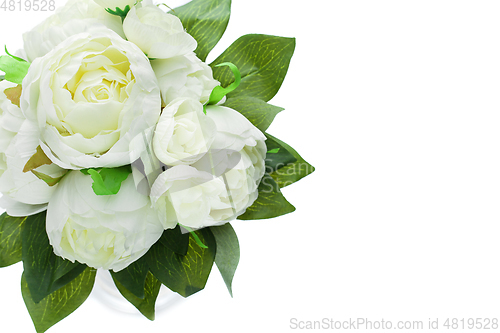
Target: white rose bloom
(75, 17)
(158, 34)
(92, 98)
(109, 231)
(183, 133)
(113, 4)
(184, 76)
(22, 193)
(207, 193)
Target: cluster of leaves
(52, 287)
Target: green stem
(196, 238)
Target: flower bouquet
(122, 150)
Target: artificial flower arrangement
(122, 150)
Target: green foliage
(122, 13)
(260, 113)
(292, 172)
(175, 240)
(44, 272)
(197, 239)
(145, 304)
(228, 253)
(133, 277)
(10, 239)
(13, 56)
(186, 274)
(107, 181)
(206, 21)
(277, 157)
(270, 202)
(15, 68)
(263, 61)
(59, 304)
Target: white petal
(16, 208)
(110, 232)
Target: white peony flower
(236, 137)
(109, 231)
(158, 34)
(113, 4)
(22, 193)
(184, 76)
(186, 195)
(216, 189)
(235, 133)
(183, 133)
(242, 183)
(75, 17)
(92, 98)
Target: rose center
(97, 89)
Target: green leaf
(277, 157)
(107, 181)
(13, 56)
(10, 239)
(43, 270)
(14, 70)
(292, 172)
(206, 21)
(228, 253)
(263, 61)
(119, 12)
(66, 272)
(2, 77)
(270, 202)
(59, 304)
(133, 277)
(187, 274)
(146, 304)
(260, 113)
(175, 240)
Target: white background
(396, 103)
